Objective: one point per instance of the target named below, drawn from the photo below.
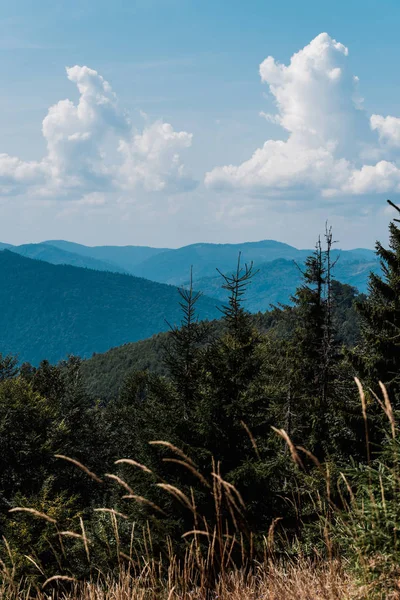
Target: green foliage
(378, 355)
(104, 374)
(366, 530)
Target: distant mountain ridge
(49, 311)
(123, 257)
(173, 265)
(57, 256)
(276, 281)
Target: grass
(300, 580)
(219, 561)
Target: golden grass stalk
(35, 564)
(111, 510)
(121, 482)
(85, 540)
(364, 414)
(295, 457)
(271, 534)
(174, 449)
(388, 409)
(80, 466)
(134, 463)
(58, 578)
(34, 512)
(232, 488)
(196, 532)
(252, 440)
(178, 494)
(72, 534)
(143, 500)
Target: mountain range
(59, 297)
(49, 311)
(173, 265)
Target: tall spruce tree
(378, 355)
(233, 364)
(183, 351)
(317, 396)
(8, 367)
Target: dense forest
(244, 434)
(104, 373)
(51, 311)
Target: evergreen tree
(317, 396)
(183, 351)
(378, 356)
(232, 364)
(8, 367)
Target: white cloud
(380, 178)
(15, 174)
(329, 135)
(388, 129)
(152, 159)
(82, 141)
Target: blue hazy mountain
(174, 266)
(276, 281)
(276, 262)
(50, 311)
(57, 256)
(123, 257)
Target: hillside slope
(49, 311)
(276, 281)
(57, 256)
(173, 266)
(124, 257)
(105, 373)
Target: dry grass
(296, 581)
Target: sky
(170, 122)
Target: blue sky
(163, 141)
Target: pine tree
(8, 367)
(378, 355)
(233, 363)
(317, 397)
(183, 350)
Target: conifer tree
(8, 367)
(315, 370)
(378, 356)
(183, 350)
(233, 363)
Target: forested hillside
(123, 257)
(57, 256)
(276, 281)
(50, 311)
(104, 374)
(172, 266)
(278, 265)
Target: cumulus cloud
(388, 129)
(151, 159)
(328, 132)
(78, 139)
